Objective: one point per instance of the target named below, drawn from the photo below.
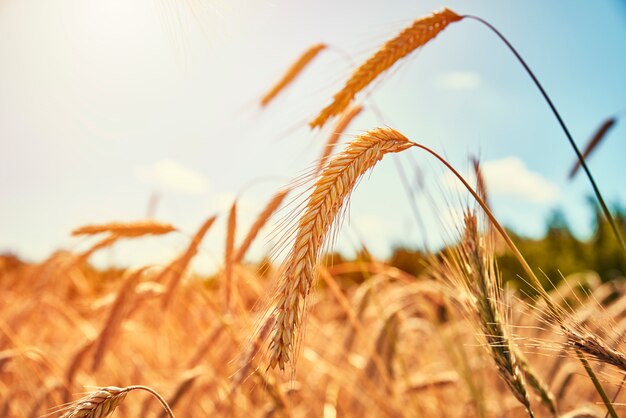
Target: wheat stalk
(183, 387)
(74, 365)
(553, 310)
(126, 229)
(418, 34)
(260, 222)
(386, 347)
(103, 243)
(293, 71)
(328, 197)
(180, 264)
(115, 318)
(229, 285)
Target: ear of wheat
(418, 34)
(126, 229)
(593, 143)
(471, 267)
(102, 402)
(293, 71)
(483, 283)
(98, 404)
(580, 339)
(329, 195)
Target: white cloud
(510, 177)
(173, 176)
(461, 80)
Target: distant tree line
(557, 254)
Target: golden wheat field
(306, 332)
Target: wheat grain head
(418, 34)
(328, 197)
(293, 71)
(126, 229)
(98, 404)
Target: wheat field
(309, 335)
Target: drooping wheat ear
(582, 340)
(418, 34)
(126, 229)
(98, 404)
(480, 277)
(102, 403)
(328, 197)
(593, 142)
(293, 71)
(260, 222)
(340, 127)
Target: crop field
(472, 329)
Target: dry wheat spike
(102, 402)
(98, 404)
(582, 340)
(293, 71)
(418, 34)
(597, 137)
(328, 197)
(126, 229)
(477, 271)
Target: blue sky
(103, 104)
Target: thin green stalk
(583, 164)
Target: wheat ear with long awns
(102, 402)
(418, 34)
(329, 195)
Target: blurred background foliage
(555, 255)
